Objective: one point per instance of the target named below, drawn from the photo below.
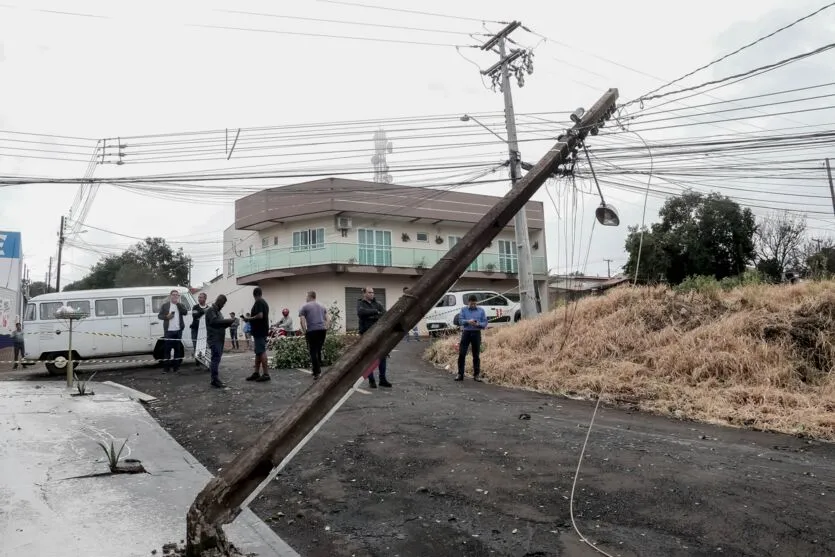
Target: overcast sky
(117, 70)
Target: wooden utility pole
(831, 187)
(49, 277)
(500, 72)
(60, 249)
(220, 501)
(608, 268)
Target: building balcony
(344, 257)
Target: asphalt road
(438, 468)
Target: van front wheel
(57, 364)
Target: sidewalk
(53, 505)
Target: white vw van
(125, 318)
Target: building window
(265, 242)
(454, 240)
(230, 267)
(313, 238)
(508, 259)
(422, 237)
(275, 240)
(374, 247)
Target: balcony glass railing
(354, 254)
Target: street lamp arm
(467, 118)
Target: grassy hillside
(756, 356)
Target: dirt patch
(758, 356)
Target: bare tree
(779, 243)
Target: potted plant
(405, 237)
(439, 240)
(491, 267)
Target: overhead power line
(343, 22)
(758, 70)
(740, 49)
(327, 36)
(416, 12)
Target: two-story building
(336, 236)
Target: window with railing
(453, 240)
(374, 247)
(508, 258)
(312, 238)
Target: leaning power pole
(226, 494)
(500, 72)
(60, 249)
(831, 186)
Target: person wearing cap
(473, 319)
(286, 321)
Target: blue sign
(10, 245)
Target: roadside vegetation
(733, 352)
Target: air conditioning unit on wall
(343, 223)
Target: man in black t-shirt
(259, 321)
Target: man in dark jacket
(216, 326)
(171, 314)
(369, 312)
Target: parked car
(499, 309)
(119, 322)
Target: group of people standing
(209, 321)
(315, 321)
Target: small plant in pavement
(113, 456)
(81, 386)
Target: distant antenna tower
(382, 146)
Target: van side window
(107, 308)
(157, 301)
(48, 310)
(81, 305)
(31, 313)
(133, 306)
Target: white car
(499, 309)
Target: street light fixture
(467, 118)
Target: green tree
(37, 288)
(698, 234)
(151, 262)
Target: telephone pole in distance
(500, 73)
(608, 268)
(60, 249)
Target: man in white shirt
(171, 313)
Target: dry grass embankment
(756, 356)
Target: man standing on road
(233, 331)
(259, 322)
(473, 319)
(314, 320)
(172, 313)
(369, 312)
(18, 343)
(216, 337)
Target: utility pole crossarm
(219, 502)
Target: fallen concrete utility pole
(220, 501)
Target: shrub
(291, 352)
